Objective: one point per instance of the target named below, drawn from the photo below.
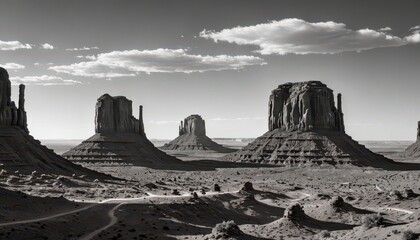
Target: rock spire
(10, 115)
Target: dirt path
(113, 220)
(48, 217)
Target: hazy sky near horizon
(219, 59)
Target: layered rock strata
(19, 151)
(413, 151)
(192, 137)
(119, 138)
(305, 128)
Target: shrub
(324, 234)
(409, 235)
(371, 221)
(226, 229)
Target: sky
(219, 59)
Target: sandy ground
(158, 204)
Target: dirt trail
(113, 220)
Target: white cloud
(384, 29)
(133, 62)
(415, 28)
(82, 49)
(12, 66)
(13, 45)
(44, 80)
(47, 46)
(413, 38)
(300, 37)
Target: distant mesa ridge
(306, 128)
(192, 137)
(19, 150)
(119, 138)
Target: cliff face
(10, 115)
(19, 150)
(193, 124)
(412, 152)
(120, 138)
(115, 115)
(304, 106)
(192, 137)
(306, 128)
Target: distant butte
(413, 151)
(192, 137)
(306, 128)
(19, 151)
(119, 138)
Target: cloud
(44, 80)
(12, 66)
(13, 45)
(415, 28)
(413, 38)
(82, 49)
(297, 36)
(47, 46)
(384, 29)
(133, 62)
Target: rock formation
(192, 137)
(413, 151)
(10, 115)
(305, 128)
(119, 138)
(19, 150)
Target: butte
(413, 151)
(119, 138)
(192, 137)
(307, 128)
(19, 151)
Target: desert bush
(226, 229)
(324, 234)
(371, 221)
(409, 235)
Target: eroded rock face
(192, 137)
(193, 124)
(304, 106)
(115, 115)
(10, 115)
(307, 129)
(19, 151)
(120, 139)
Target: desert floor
(158, 204)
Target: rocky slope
(19, 151)
(192, 137)
(413, 151)
(306, 128)
(119, 138)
